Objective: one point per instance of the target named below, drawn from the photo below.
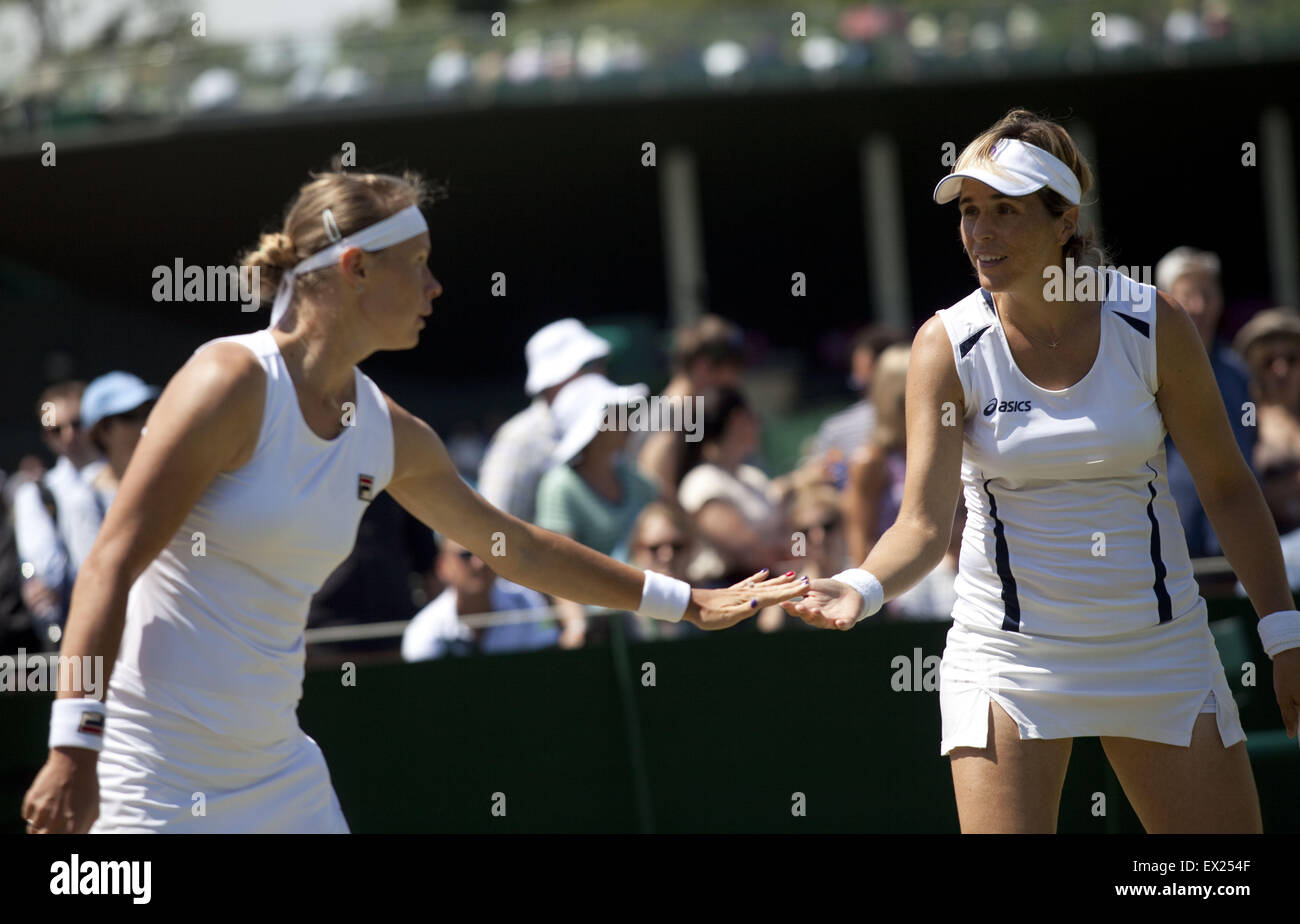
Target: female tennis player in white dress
(1076, 613)
(244, 494)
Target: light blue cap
(114, 393)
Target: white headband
(394, 229)
(1014, 168)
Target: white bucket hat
(1014, 168)
(579, 410)
(558, 351)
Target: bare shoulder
(216, 398)
(931, 342)
(932, 361)
(227, 371)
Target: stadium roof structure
(154, 71)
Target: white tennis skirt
(160, 774)
(1150, 684)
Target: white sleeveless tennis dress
(1076, 608)
(202, 732)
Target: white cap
(579, 410)
(1014, 168)
(558, 351)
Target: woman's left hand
(723, 608)
(1286, 684)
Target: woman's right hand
(724, 607)
(828, 604)
(64, 797)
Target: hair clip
(331, 226)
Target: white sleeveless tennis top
(1071, 530)
(217, 638)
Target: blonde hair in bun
(356, 200)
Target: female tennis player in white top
(244, 493)
(1077, 613)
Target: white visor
(398, 227)
(1014, 169)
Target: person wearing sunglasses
(475, 591)
(663, 540)
(55, 516)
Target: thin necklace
(1054, 344)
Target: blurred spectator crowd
(673, 482)
(132, 58)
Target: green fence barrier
(737, 730)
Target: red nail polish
(789, 574)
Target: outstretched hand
(827, 604)
(724, 607)
(1286, 684)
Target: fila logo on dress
(365, 487)
(1006, 407)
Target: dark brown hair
(717, 406)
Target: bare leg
(1203, 788)
(1010, 786)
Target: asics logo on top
(1006, 407)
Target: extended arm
(426, 483)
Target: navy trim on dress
(1010, 599)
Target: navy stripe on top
(1010, 599)
(1157, 560)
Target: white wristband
(1280, 631)
(865, 583)
(77, 723)
(663, 597)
